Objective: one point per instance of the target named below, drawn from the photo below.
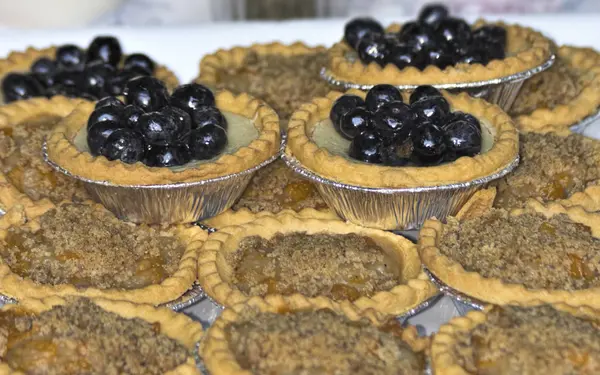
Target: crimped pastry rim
(244, 215)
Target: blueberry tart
(95, 336)
(318, 258)
(542, 252)
(81, 249)
(288, 335)
(100, 70)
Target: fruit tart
(24, 175)
(82, 249)
(293, 335)
(68, 70)
(435, 49)
(519, 339)
(563, 95)
(543, 252)
(290, 254)
(95, 336)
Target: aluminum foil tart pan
(467, 301)
(194, 295)
(394, 209)
(584, 124)
(501, 91)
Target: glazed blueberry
(422, 92)
(343, 105)
(419, 35)
(396, 154)
(367, 146)
(167, 156)
(106, 113)
(458, 115)
(148, 93)
(495, 51)
(106, 49)
(403, 55)
(381, 94)
(473, 55)
(69, 57)
(191, 96)
(159, 128)
(463, 138)
(394, 120)
(432, 109)
(44, 66)
(440, 57)
(140, 61)
(203, 116)
(455, 31)
(207, 142)
(182, 119)
(354, 122)
(126, 145)
(58, 89)
(98, 133)
(373, 48)
(433, 14)
(109, 101)
(131, 116)
(429, 144)
(116, 84)
(17, 86)
(356, 29)
(69, 78)
(490, 34)
(95, 78)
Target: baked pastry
(78, 335)
(544, 252)
(519, 339)
(295, 335)
(24, 175)
(82, 249)
(318, 258)
(563, 95)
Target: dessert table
(181, 48)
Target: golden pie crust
(341, 169)
(178, 327)
(525, 48)
(219, 359)
(244, 216)
(62, 151)
(171, 288)
(585, 64)
(214, 273)
(494, 290)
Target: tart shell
(494, 290)
(176, 326)
(244, 215)
(15, 286)
(214, 273)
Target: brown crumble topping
(87, 247)
(339, 266)
(22, 163)
(82, 338)
(319, 342)
(528, 249)
(551, 167)
(531, 340)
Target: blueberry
(136, 70)
(148, 93)
(16, 86)
(367, 147)
(207, 142)
(139, 60)
(422, 92)
(109, 101)
(440, 57)
(433, 14)
(394, 120)
(167, 156)
(343, 105)
(355, 121)
(463, 138)
(191, 96)
(44, 66)
(159, 128)
(96, 76)
(429, 144)
(420, 35)
(356, 29)
(69, 57)
(373, 48)
(59, 89)
(106, 49)
(474, 56)
(432, 109)
(131, 116)
(495, 51)
(203, 116)
(381, 94)
(126, 145)
(182, 119)
(404, 55)
(98, 133)
(69, 78)
(106, 113)
(116, 84)
(490, 34)
(455, 31)
(458, 115)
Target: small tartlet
(321, 161)
(525, 49)
(63, 152)
(495, 290)
(219, 359)
(214, 273)
(443, 360)
(171, 288)
(176, 326)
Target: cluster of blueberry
(91, 74)
(155, 128)
(385, 130)
(434, 38)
